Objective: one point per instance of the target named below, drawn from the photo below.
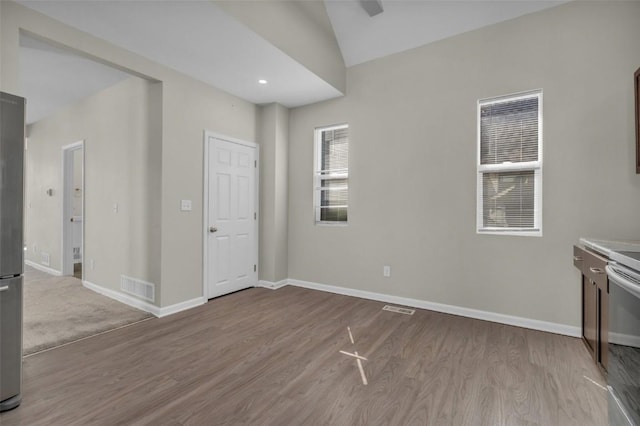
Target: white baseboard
(43, 268)
(551, 327)
(182, 306)
(380, 297)
(141, 304)
(123, 298)
(271, 285)
(624, 339)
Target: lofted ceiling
(405, 24)
(202, 40)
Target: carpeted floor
(59, 310)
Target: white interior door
(232, 217)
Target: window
(331, 174)
(510, 165)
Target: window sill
(333, 224)
(532, 233)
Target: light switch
(185, 205)
(115, 208)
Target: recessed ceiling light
(262, 81)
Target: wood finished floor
(271, 358)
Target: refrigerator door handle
(4, 288)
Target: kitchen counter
(609, 247)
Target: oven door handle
(630, 286)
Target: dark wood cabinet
(595, 302)
(603, 296)
(589, 313)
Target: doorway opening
(75, 97)
(72, 209)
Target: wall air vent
(398, 309)
(139, 288)
(45, 259)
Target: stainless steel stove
(624, 338)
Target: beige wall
(274, 147)
(188, 107)
(412, 120)
(121, 160)
(281, 223)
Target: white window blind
(331, 174)
(510, 165)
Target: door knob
(213, 229)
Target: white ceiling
(405, 24)
(198, 39)
(53, 78)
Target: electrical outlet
(386, 271)
(115, 208)
(185, 205)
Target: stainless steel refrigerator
(12, 133)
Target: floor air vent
(398, 309)
(138, 288)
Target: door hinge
(255, 215)
(255, 164)
(255, 268)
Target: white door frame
(205, 205)
(67, 197)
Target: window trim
(536, 166)
(317, 159)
